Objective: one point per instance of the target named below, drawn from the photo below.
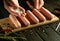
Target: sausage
(39, 15)
(31, 17)
(23, 20)
(14, 22)
(46, 13)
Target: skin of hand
(37, 4)
(11, 5)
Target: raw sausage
(39, 15)
(31, 17)
(23, 20)
(14, 22)
(46, 13)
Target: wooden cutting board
(7, 21)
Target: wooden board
(6, 20)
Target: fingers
(12, 9)
(15, 2)
(12, 3)
(9, 8)
(41, 3)
(23, 11)
(36, 4)
(21, 8)
(15, 12)
(28, 3)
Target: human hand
(36, 4)
(12, 5)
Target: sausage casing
(31, 17)
(39, 15)
(46, 13)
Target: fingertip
(41, 4)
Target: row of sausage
(32, 17)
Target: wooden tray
(7, 20)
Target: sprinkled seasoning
(18, 11)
